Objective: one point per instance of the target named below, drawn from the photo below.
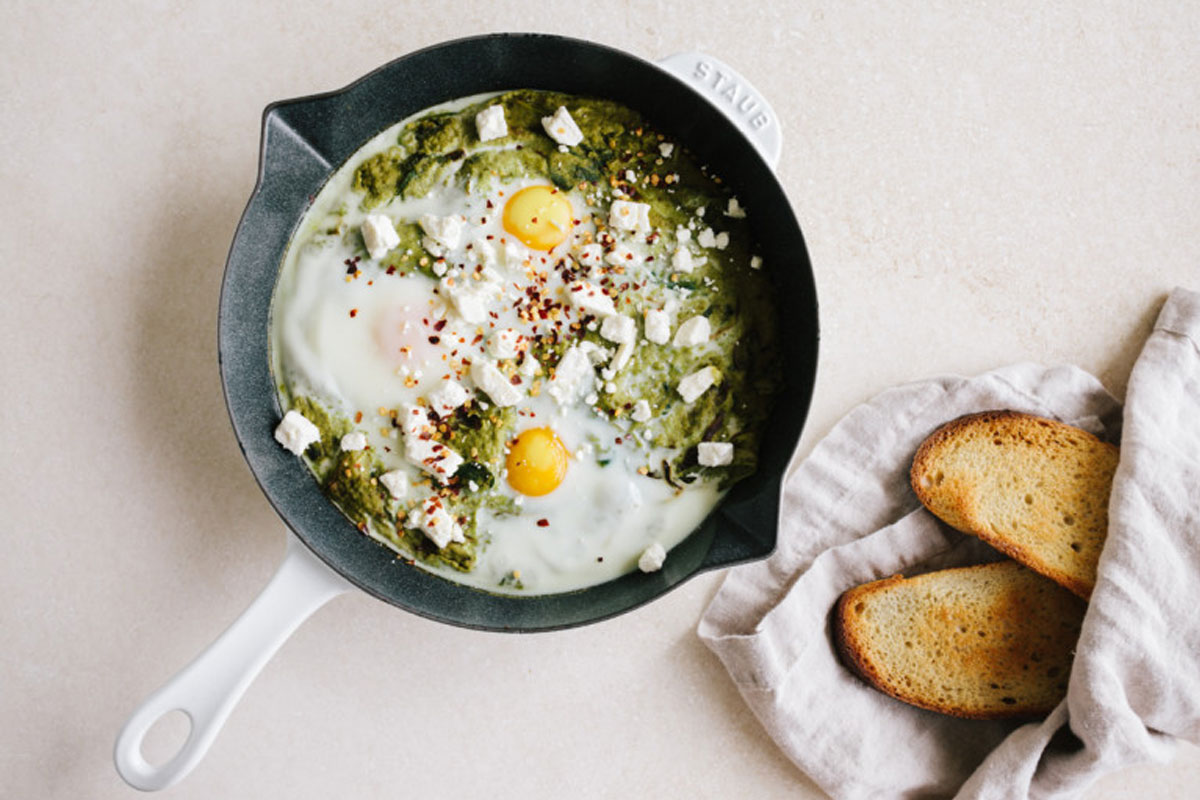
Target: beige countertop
(976, 188)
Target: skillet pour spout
(694, 99)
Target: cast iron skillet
(303, 142)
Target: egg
(537, 462)
(540, 216)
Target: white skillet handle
(734, 96)
(208, 688)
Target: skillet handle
(722, 86)
(207, 689)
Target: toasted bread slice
(985, 642)
(1031, 487)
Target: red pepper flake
(543, 523)
(619, 440)
(391, 270)
(515, 380)
(353, 312)
(434, 339)
(357, 417)
(437, 326)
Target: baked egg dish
(525, 341)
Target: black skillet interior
(305, 140)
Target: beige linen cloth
(849, 517)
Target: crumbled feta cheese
(591, 399)
(621, 255)
(492, 382)
(683, 235)
(443, 233)
(666, 148)
(591, 255)
(684, 261)
(469, 302)
(491, 123)
(295, 432)
(562, 128)
(447, 397)
(641, 411)
(623, 354)
(755, 262)
(700, 211)
(432, 519)
(714, 454)
(504, 343)
(379, 235)
(709, 239)
(696, 384)
(412, 419)
(630, 176)
(439, 266)
(658, 326)
(354, 440)
(595, 353)
(619, 328)
(433, 457)
(734, 209)
(652, 558)
(396, 482)
(628, 216)
(572, 376)
(529, 367)
(591, 298)
(693, 332)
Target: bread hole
(1028, 499)
(908, 644)
(1008, 701)
(1076, 546)
(859, 606)
(997, 440)
(938, 477)
(994, 685)
(1068, 519)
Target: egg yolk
(540, 216)
(537, 462)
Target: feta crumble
(443, 233)
(652, 558)
(504, 343)
(433, 457)
(697, 383)
(641, 411)
(734, 209)
(396, 482)
(684, 261)
(591, 255)
(354, 440)
(693, 332)
(658, 326)
(709, 239)
(619, 329)
(491, 124)
(492, 382)
(295, 432)
(447, 397)
(714, 454)
(591, 298)
(432, 519)
(755, 262)
(562, 128)
(572, 376)
(629, 216)
(666, 148)
(379, 235)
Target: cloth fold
(849, 516)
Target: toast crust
(1033, 488)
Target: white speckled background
(976, 187)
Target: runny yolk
(537, 462)
(540, 216)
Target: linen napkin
(849, 516)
